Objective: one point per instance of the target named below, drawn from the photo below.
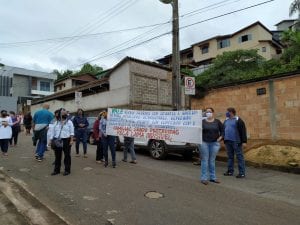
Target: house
(131, 84)
(73, 81)
(254, 36)
(19, 85)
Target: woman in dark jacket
(27, 122)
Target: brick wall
(274, 115)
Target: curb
(46, 215)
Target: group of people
(233, 133)
(60, 130)
(10, 126)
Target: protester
(15, 128)
(81, 124)
(129, 147)
(63, 130)
(211, 136)
(27, 120)
(107, 141)
(235, 138)
(97, 137)
(41, 121)
(5, 131)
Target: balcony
(41, 93)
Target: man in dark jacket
(235, 138)
(81, 124)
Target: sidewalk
(93, 194)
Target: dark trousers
(99, 151)
(58, 155)
(4, 145)
(109, 141)
(15, 134)
(81, 136)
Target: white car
(159, 149)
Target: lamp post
(176, 78)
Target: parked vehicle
(160, 149)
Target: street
(93, 194)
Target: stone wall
(274, 115)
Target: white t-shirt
(5, 132)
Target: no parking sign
(189, 84)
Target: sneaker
(98, 161)
(240, 176)
(133, 161)
(228, 173)
(215, 181)
(5, 154)
(39, 159)
(205, 182)
(85, 156)
(77, 155)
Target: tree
(231, 66)
(291, 39)
(294, 7)
(88, 68)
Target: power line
(184, 27)
(16, 44)
(66, 38)
(115, 13)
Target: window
(204, 49)
(223, 43)
(245, 38)
(190, 55)
(44, 86)
(34, 84)
(264, 49)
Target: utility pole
(176, 57)
(176, 76)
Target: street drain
(154, 195)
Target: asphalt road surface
(93, 194)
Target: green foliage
(229, 67)
(187, 72)
(86, 68)
(248, 64)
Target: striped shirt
(65, 130)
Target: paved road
(93, 194)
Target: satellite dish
(166, 1)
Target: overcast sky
(27, 20)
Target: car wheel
(91, 140)
(158, 149)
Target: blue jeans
(81, 136)
(235, 147)
(209, 151)
(109, 141)
(42, 145)
(129, 147)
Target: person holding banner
(211, 136)
(107, 141)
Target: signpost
(189, 84)
(78, 97)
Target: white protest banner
(179, 126)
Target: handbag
(57, 142)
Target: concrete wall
(151, 87)
(274, 116)
(8, 103)
(21, 86)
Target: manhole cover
(154, 195)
